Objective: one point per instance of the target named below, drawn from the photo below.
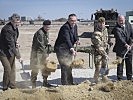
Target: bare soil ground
(122, 90)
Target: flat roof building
(129, 16)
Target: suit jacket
(122, 37)
(8, 38)
(66, 38)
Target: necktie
(123, 28)
(73, 29)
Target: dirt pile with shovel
(122, 90)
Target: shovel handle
(22, 64)
(75, 50)
(126, 54)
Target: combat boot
(45, 82)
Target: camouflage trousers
(100, 62)
(38, 62)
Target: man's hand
(77, 42)
(73, 51)
(20, 60)
(17, 45)
(128, 47)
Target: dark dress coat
(66, 38)
(8, 39)
(122, 37)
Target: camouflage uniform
(100, 44)
(39, 55)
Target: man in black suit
(8, 44)
(64, 48)
(123, 34)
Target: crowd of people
(64, 49)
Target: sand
(122, 90)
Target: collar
(44, 31)
(14, 27)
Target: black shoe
(13, 87)
(119, 79)
(4, 89)
(47, 85)
(74, 83)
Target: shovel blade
(25, 75)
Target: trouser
(128, 63)
(35, 72)
(38, 61)
(65, 61)
(100, 62)
(66, 75)
(9, 71)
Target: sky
(54, 9)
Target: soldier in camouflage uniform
(39, 54)
(100, 44)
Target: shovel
(120, 61)
(24, 75)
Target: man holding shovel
(123, 34)
(40, 54)
(64, 48)
(8, 44)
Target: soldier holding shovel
(40, 54)
(100, 44)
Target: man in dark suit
(64, 48)
(123, 34)
(8, 44)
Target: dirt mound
(31, 94)
(122, 90)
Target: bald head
(121, 20)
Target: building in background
(129, 16)
(23, 18)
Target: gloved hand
(102, 51)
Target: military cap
(101, 19)
(47, 22)
(15, 16)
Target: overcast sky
(53, 9)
